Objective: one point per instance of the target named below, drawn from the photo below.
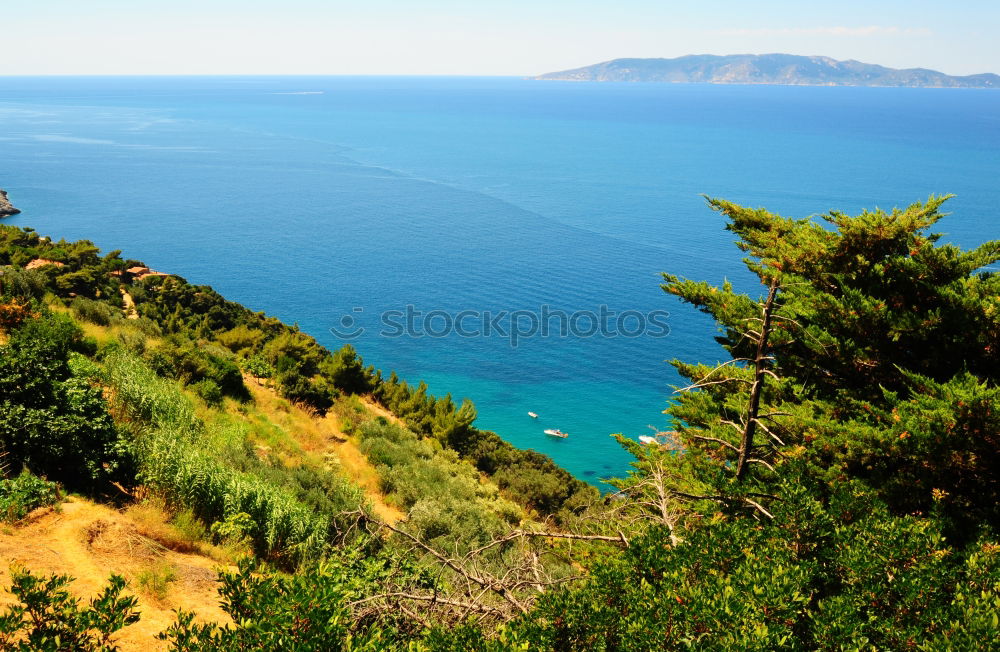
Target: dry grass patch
(153, 520)
(179, 531)
(89, 542)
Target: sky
(477, 37)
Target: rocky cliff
(6, 208)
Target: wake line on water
(390, 173)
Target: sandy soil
(89, 542)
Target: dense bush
(23, 493)
(531, 478)
(446, 500)
(191, 363)
(305, 611)
(22, 283)
(317, 394)
(52, 422)
(836, 574)
(48, 617)
(95, 312)
(209, 392)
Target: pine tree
(866, 319)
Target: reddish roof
(42, 262)
(148, 274)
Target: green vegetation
(293, 511)
(192, 334)
(530, 476)
(52, 421)
(833, 484)
(23, 493)
(47, 617)
(156, 579)
(303, 612)
(445, 498)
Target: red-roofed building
(42, 262)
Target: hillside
(786, 69)
(178, 472)
(87, 541)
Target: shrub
(95, 312)
(258, 367)
(22, 494)
(234, 529)
(305, 611)
(315, 394)
(51, 421)
(156, 579)
(447, 502)
(133, 341)
(347, 372)
(241, 338)
(13, 313)
(146, 326)
(24, 283)
(190, 363)
(209, 392)
(48, 617)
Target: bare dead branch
(716, 440)
(709, 383)
(485, 582)
(770, 434)
(759, 508)
(711, 373)
(433, 598)
(738, 426)
(754, 460)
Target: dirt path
(89, 542)
(381, 411)
(130, 311)
(324, 436)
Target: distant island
(786, 69)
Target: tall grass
(183, 461)
(143, 397)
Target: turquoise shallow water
(312, 197)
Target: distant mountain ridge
(788, 69)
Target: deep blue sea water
(311, 197)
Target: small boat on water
(532, 415)
(646, 439)
(555, 432)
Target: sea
(500, 238)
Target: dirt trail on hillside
(130, 310)
(381, 411)
(320, 435)
(89, 542)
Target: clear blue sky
(477, 37)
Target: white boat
(555, 432)
(532, 415)
(646, 439)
